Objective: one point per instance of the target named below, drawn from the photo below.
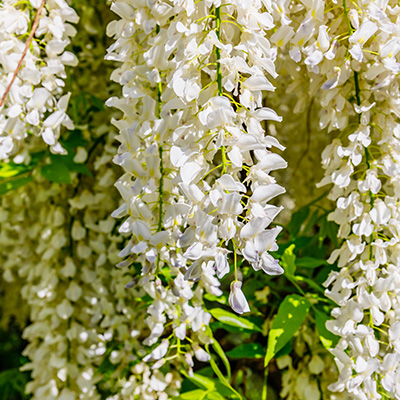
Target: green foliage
(231, 319)
(9, 170)
(12, 384)
(291, 314)
(220, 351)
(200, 394)
(289, 261)
(310, 262)
(13, 175)
(57, 171)
(60, 167)
(297, 220)
(280, 306)
(12, 380)
(223, 299)
(209, 385)
(54, 167)
(247, 350)
(13, 184)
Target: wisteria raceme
(77, 302)
(33, 101)
(62, 268)
(351, 52)
(197, 91)
(196, 185)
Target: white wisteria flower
(196, 187)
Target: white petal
(228, 183)
(266, 113)
(271, 162)
(237, 299)
(190, 171)
(266, 192)
(258, 82)
(194, 251)
(222, 265)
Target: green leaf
(310, 262)
(211, 385)
(12, 384)
(212, 396)
(8, 170)
(206, 371)
(75, 167)
(251, 286)
(297, 220)
(312, 221)
(57, 171)
(286, 349)
(310, 283)
(288, 261)
(201, 381)
(247, 350)
(97, 102)
(223, 299)
(231, 319)
(219, 350)
(14, 184)
(291, 314)
(328, 339)
(11, 169)
(323, 274)
(332, 232)
(215, 325)
(193, 395)
(75, 139)
(222, 379)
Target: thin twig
(34, 27)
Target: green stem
(357, 87)
(264, 395)
(218, 53)
(235, 259)
(159, 93)
(358, 101)
(224, 162)
(160, 190)
(346, 13)
(219, 75)
(160, 153)
(161, 167)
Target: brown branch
(34, 27)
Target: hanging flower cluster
(350, 54)
(196, 158)
(79, 312)
(62, 270)
(33, 36)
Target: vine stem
(28, 42)
(218, 53)
(358, 101)
(161, 167)
(160, 189)
(219, 75)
